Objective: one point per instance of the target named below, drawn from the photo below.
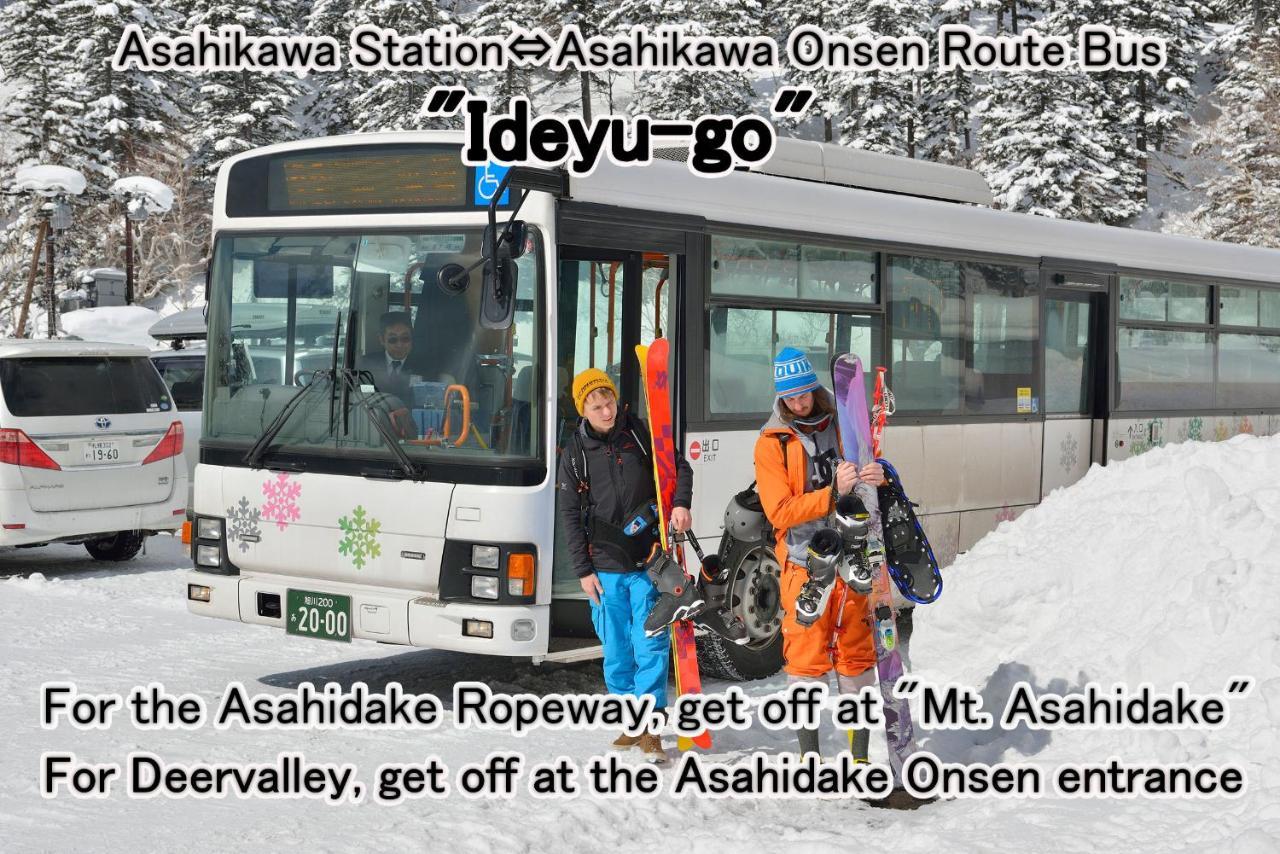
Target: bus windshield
(426, 375)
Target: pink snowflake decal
(1004, 514)
(281, 506)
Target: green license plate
(318, 615)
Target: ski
(653, 372)
(857, 446)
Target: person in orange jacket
(799, 476)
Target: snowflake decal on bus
(281, 505)
(1068, 456)
(359, 537)
(243, 524)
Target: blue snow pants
(633, 664)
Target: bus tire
(123, 545)
(753, 595)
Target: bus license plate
(318, 615)
(102, 452)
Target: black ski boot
(723, 622)
(824, 554)
(679, 597)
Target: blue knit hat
(793, 374)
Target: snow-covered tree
(785, 16)
(685, 94)
(238, 110)
(331, 92)
(882, 111)
(947, 98)
(497, 18)
(1242, 202)
(393, 100)
(1043, 149)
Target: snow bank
(1163, 568)
(122, 324)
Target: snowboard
(857, 446)
(653, 373)
(912, 565)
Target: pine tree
(947, 98)
(331, 92)
(882, 108)
(1042, 149)
(1242, 203)
(685, 94)
(1151, 107)
(236, 111)
(393, 100)
(786, 16)
(498, 17)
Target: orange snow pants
(840, 638)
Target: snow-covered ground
(1162, 569)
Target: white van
(90, 447)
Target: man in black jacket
(608, 513)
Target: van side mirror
(498, 299)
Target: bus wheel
(122, 546)
(753, 595)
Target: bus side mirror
(512, 245)
(498, 299)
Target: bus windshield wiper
(351, 389)
(253, 458)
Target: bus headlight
(208, 529)
(484, 587)
(208, 556)
(484, 557)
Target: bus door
(608, 301)
(1074, 357)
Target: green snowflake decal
(1195, 428)
(360, 537)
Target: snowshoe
(824, 555)
(908, 555)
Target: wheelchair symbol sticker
(488, 177)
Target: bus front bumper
(388, 616)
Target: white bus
(1020, 349)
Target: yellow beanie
(592, 379)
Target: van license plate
(102, 452)
(318, 615)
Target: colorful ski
(858, 446)
(653, 371)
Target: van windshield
(286, 309)
(81, 385)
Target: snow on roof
(151, 194)
(125, 324)
(11, 347)
(188, 323)
(49, 180)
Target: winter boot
(625, 742)
(808, 738)
(651, 745)
(825, 552)
(723, 622)
(859, 739)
